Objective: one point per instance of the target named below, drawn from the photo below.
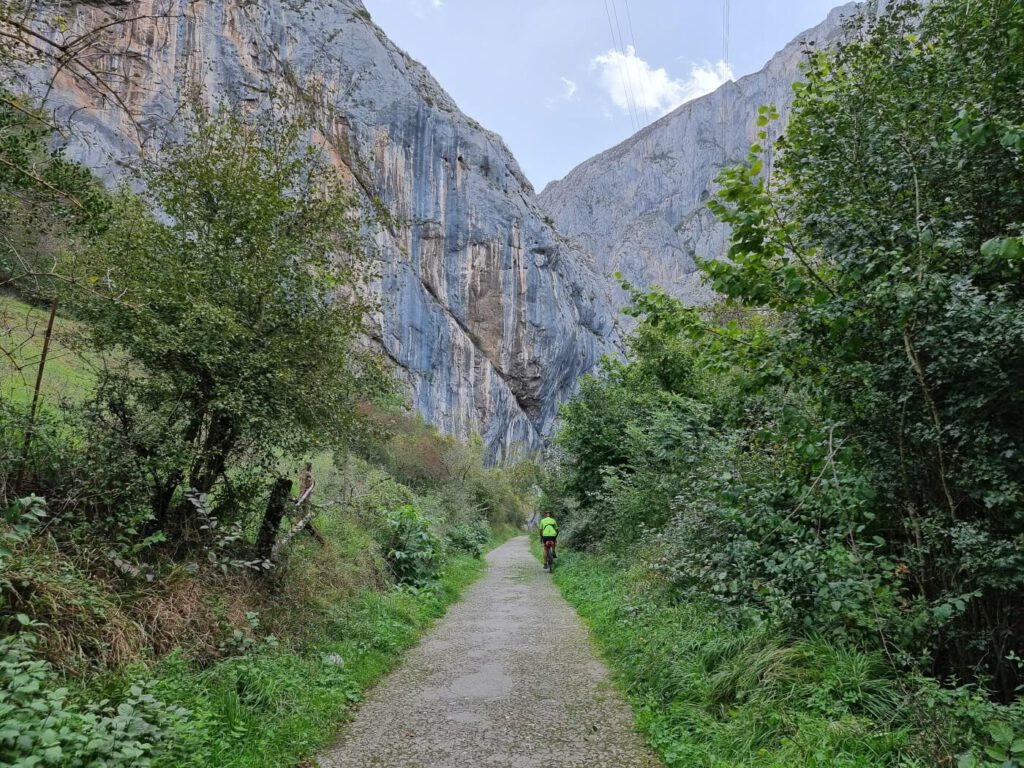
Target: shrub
(470, 538)
(40, 726)
(412, 550)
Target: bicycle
(549, 556)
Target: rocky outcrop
(489, 313)
(640, 208)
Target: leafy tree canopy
(235, 285)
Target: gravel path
(507, 679)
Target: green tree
(236, 289)
(888, 237)
(45, 200)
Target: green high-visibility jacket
(548, 527)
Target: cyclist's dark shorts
(546, 539)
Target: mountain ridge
(639, 207)
(495, 299)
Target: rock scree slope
(506, 680)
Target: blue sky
(557, 80)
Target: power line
(726, 31)
(632, 37)
(726, 34)
(630, 107)
(623, 72)
(629, 69)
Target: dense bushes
(837, 448)
(42, 727)
(470, 538)
(452, 472)
(413, 551)
(892, 264)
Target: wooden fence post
(306, 510)
(39, 378)
(306, 484)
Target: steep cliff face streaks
(494, 300)
(491, 316)
(640, 207)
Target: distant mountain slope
(640, 207)
(490, 314)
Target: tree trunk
(163, 494)
(211, 460)
(279, 496)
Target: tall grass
(709, 694)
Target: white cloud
(628, 79)
(569, 87)
(437, 3)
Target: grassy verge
(276, 706)
(265, 667)
(276, 703)
(707, 694)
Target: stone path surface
(506, 680)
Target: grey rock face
(640, 207)
(492, 316)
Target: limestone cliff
(640, 208)
(490, 314)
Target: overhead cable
(630, 107)
(726, 31)
(632, 37)
(626, 58)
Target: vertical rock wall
(490, 316)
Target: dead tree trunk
(272, 518)
(306, 484)
(305, 509)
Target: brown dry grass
(89, 618)
(83, 623)
(98, 615)
(195, 613)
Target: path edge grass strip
(706, 695)
(278, 707)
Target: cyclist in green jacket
(548, 529)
